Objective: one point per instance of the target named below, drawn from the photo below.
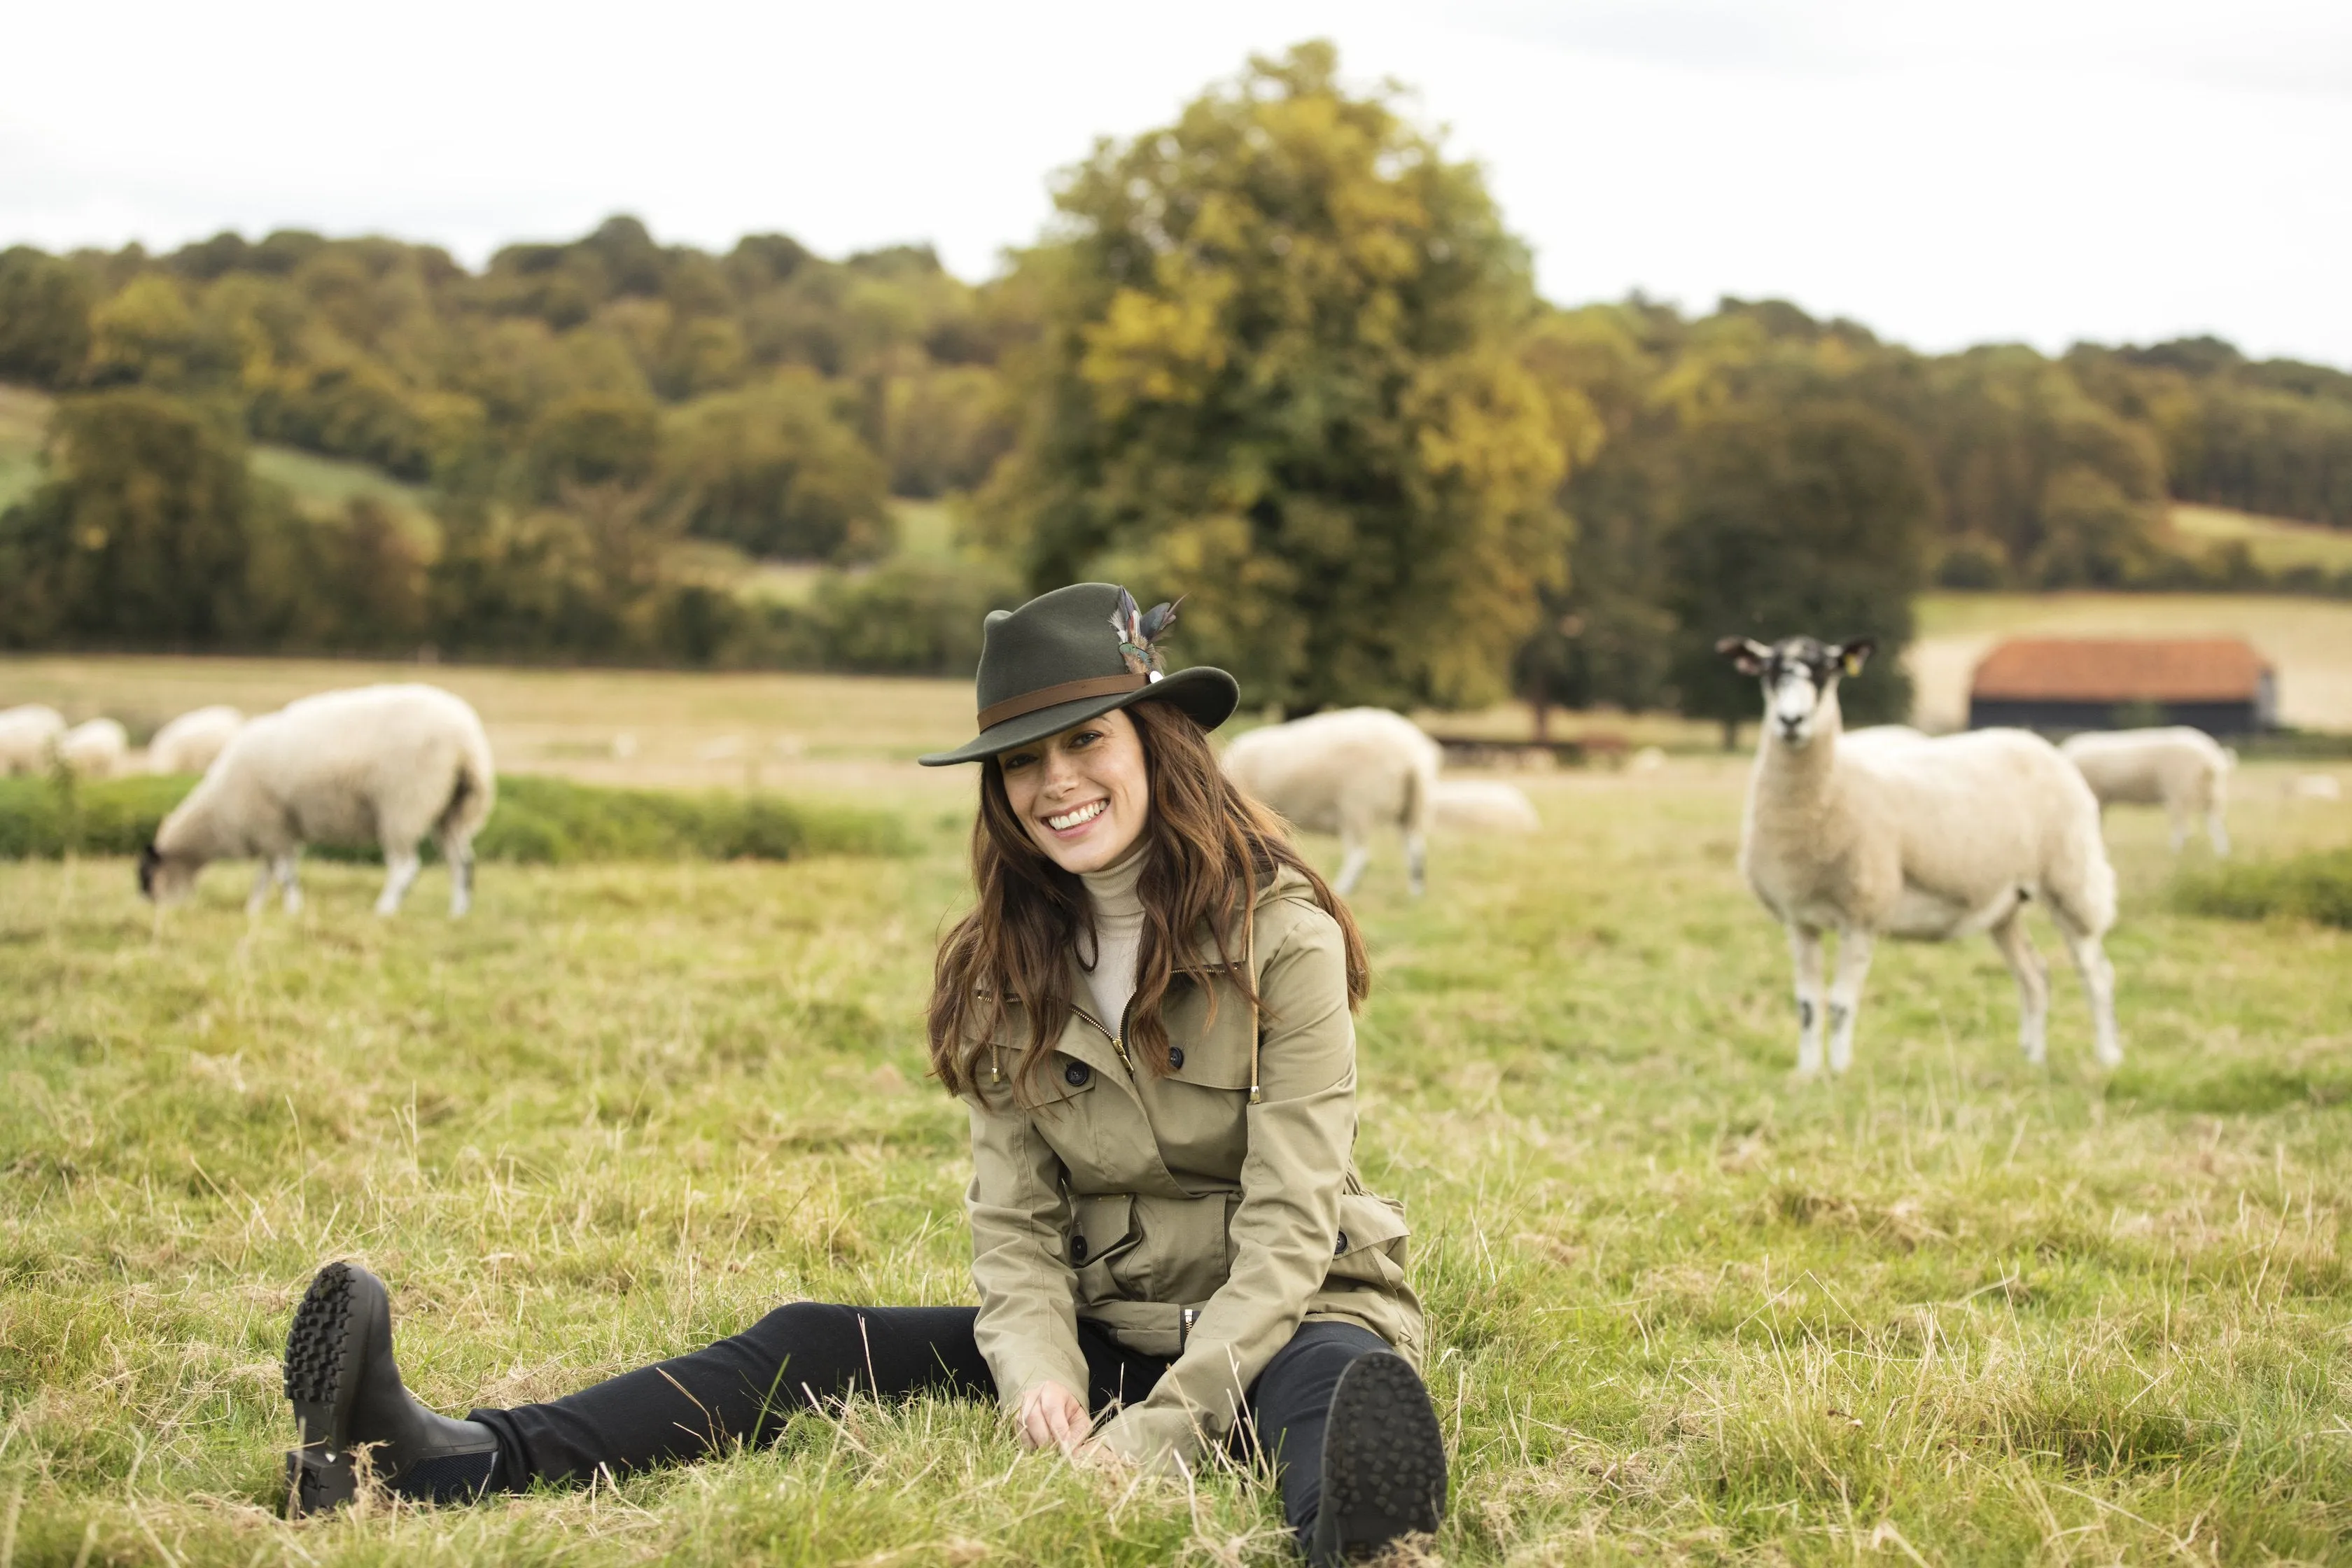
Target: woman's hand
(1051, 1415)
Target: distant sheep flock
(376, 765)
(1872, 832)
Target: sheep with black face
(1926, 839)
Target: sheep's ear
(1852, 655)
(1747, 654)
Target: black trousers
(744, 1389)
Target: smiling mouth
(1077, 816)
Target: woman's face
(1082, 793)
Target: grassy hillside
(320, 486)
(2276, 544)
(24, 425)
(1684, 1308)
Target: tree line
(1282, 350)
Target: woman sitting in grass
(1149, 1012)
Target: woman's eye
(1014, 764)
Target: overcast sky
(2034, 170)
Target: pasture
(1686, 1309)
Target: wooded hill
(569, 414)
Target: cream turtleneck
(1119, 937)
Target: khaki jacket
(1170, 1211)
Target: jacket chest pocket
(1372, 1241)
(1200, 1111)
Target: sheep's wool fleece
(1118, 938)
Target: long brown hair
(1208, 848)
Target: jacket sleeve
(1300, 1137)
(1019, 1207)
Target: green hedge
(542, 821)
(2314, 887)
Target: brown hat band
(996, 713)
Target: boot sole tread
(1384, 1457)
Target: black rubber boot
(1383, 1462)
(346, 1395)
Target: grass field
(1685, 1309)
(2276, 544)
(24, 426)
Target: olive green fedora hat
(1073, 655)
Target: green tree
(141, 536)
(592, 438)
(1811, 522)
(44, 319)
(776, 471)
(1275, 360)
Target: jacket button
(1077, 1250)
(1340, 1245)
(1175, 1056)
(1076, 1074)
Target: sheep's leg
(459, 852)
(2217, 830)
(2180, 820)
(401, 867)
(1351, 869)
(260, 894)
(1805, 954)
(1416, 862)
(283, 867)
(2090, 957)
(2032, 987)
(1845, 994)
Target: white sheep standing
(93, 750)
(2185, 771)
(385, 764)
(189, 744)
(26, 735)
(1485, 806)
(1928, 838)
(1348, 771)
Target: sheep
(2185, 771)
(1926, 839)
(387, 764)
(189, 744)
(1485, 806)
(26, 734)
(94, 750)
(1882, 735)
(1347, 773)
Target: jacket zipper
(1118, 1040)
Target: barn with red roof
(2221, 685)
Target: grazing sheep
(1347, 773)
(1485, 806)
(2185, 771)
(26, 734)
(94, 750)
(1882, 735)
(189, 744)
(1926, 839)
(380, 764)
